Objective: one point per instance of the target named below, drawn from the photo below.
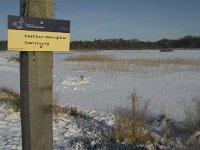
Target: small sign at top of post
(38, 34)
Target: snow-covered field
(169, 88)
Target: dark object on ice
(165, 47)
(166, 50)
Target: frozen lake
(169, 88)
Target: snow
(169, 89)
(10, 132)
(69, 132)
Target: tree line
(186, 42)
(109, 44)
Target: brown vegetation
(158, 62)
(130, 125)
(15, 59)
(109, 63)
(69, 110)
(193, 116)
(12, 100)
(94, 57)
(10, 97)
(135, 61)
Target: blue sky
(148, 20)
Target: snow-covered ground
(69, 133)
(169, 89)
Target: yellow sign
(37, 34)
(21, 40)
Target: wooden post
(36, 85)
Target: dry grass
(136, 61)
(158, 62)
(130, 125)
(193, 117)
(15, 59)
(69, 110)
(12, 100)
(10, 97)
(109, 63)
(94, 57)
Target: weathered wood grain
(36, 86)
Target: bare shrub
(10, 97)
(130, 125)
